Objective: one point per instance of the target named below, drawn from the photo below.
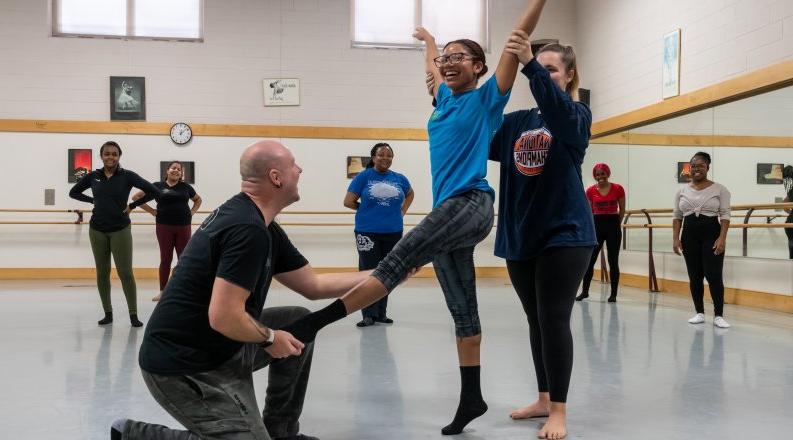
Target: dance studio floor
(640, 370)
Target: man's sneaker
(117, 429)
(297, 437)
(699, 318)
(721, 322)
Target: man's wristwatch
(270, 339)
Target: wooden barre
(732, 226)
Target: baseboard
(743, 297)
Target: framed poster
(671, 66)
(356, 164)
(281, 91)
(127, 98)
(683, 172)
(769, 173)
(188, 171)
(79, 163)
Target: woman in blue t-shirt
(385, 197)
(460, 130)
(545, 228)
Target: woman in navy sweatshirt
(545, 228)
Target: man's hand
(520, 45)
(284, 345)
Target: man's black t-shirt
(172, 208)
(235, 244)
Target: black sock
(305, 329)
(133, 319)
(108, 319)
(472, 405)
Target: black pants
(546, 286)
(789, 233)
(699, 234)
(372, 248)
(607, 228)
(221, 403)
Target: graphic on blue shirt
(384, 192)
(531, 149)
(381, 195)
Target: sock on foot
(133, 319)
(305, 329)
(471, 406)
(108, 319)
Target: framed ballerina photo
(127, 98)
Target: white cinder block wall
(219, 81)
(620, 45)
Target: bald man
(209, 332)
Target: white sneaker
(699, 318)
(720, 322)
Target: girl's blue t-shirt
(460, 130)
(382, 195)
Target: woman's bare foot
(156, 297)
(540, 408)
(556, 426)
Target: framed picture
(671, 66)
(769, 173)
(356, 164)
(281, 91)
(127, 98)
(188, 170)
(79, 163)
(683, 172)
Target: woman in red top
(608, 208)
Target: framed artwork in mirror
(79, 163)
(356, 164)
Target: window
(171, 19)
(378, 23)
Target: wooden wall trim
(226, 130)
(753, 83)
(663, 140)
(750, 298)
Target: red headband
(601, 166)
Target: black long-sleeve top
(110, 196)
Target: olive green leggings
(119, 244)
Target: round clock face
(181, 133)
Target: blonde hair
(568, 59)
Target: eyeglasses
(452, 58)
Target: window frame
(54, 8)
(416, 22)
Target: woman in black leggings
(545, 229)
(608, 209)
(702, 209)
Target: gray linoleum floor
(640, 370)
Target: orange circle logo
(530, 151)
